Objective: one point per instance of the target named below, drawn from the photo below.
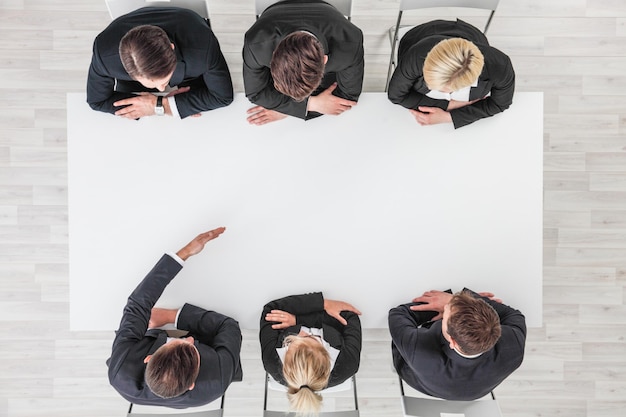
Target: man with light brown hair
(456, 347)
(302, 58)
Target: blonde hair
(306, 370)
(453, 63)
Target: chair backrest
(156, 411)
(434, 407)
(490, 5)
(344, 6)
(119, 8)
(347, 385)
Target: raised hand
(197, 244)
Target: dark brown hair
(146, 51)
(473, 324)
(297, 65)
(172, 369)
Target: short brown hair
(473, 324)
(146, 51)
(454, 63)
(297, 65)
(172, 369)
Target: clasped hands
(435, 300)
(143, 104)
(324, 103)
(333, 308)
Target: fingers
(211, 234)
(258, 116)
(340, 319)
(180, 90)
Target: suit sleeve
(136, 314)
(219, 332)
(216, 88)
(349, 359)
(350, 79)
(407, 78)
(404, 329)
(101, 92)
(309, 306)
(259, 86)
(500, 99)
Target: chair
(156, 411)
(349, 384)
(434, 407)
(396, 32)
(344, 6)
(118, 8)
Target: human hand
(430, 115)
(260, 115)
(327, 103)
(161, 316)
(179, 90)
(490, 296)
(334, 309)
(283, 318)
(433, 301)
(138, 106)
(197, 244)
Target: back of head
(172, 369)
(297, 65)
(146, 51)
(473, 324)
(306, 370)
(453, 63)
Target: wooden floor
(573, 50)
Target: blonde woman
(447, 72)
(309, 343)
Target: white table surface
(368, 207)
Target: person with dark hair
(302, 58)
(149, 368)
(309, 343)
(456, 347)
(448, 72)
(158, 61)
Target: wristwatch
(159, 110)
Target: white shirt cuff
(176, 258)
(173, 108)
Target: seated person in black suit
(456, 347)
(309, 343)
(301, 58)
(447, 72)
(146, 367)
(152, 49)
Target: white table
(368, 207)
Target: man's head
(297, 65)
(148, 56)
(470, 325)
(453, 64)
(173, 368)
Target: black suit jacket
(342, 42)
(309, 312)
(200, 63)
(217, 338)
(424, 360)
(408, 88)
